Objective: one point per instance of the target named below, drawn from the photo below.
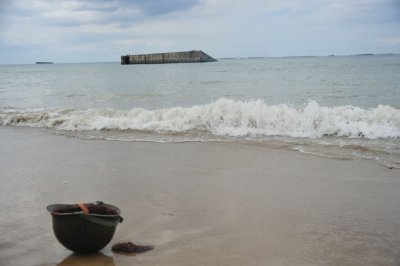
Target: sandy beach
(198, 203)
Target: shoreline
(199, 203)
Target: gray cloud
(87, 30)
(154, 8)
(70, 13)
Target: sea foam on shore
(223, 118)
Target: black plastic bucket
(84, 232)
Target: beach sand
(198, 203)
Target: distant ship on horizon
(43, 63)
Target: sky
(101, 31)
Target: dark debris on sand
(129, 247)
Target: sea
(343, 107)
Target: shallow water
(332, 106)
(364, 81)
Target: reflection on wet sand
(87, 260)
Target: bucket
(84, 228)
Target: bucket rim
(52, 209)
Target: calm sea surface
(341, 107)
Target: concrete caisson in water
(165, 58)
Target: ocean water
(342, 107)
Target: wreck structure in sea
(193, 56)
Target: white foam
(224, 118)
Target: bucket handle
(100, 221)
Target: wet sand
(198, 203)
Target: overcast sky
(100, 30)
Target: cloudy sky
(101, 30)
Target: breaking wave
(223, 118)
